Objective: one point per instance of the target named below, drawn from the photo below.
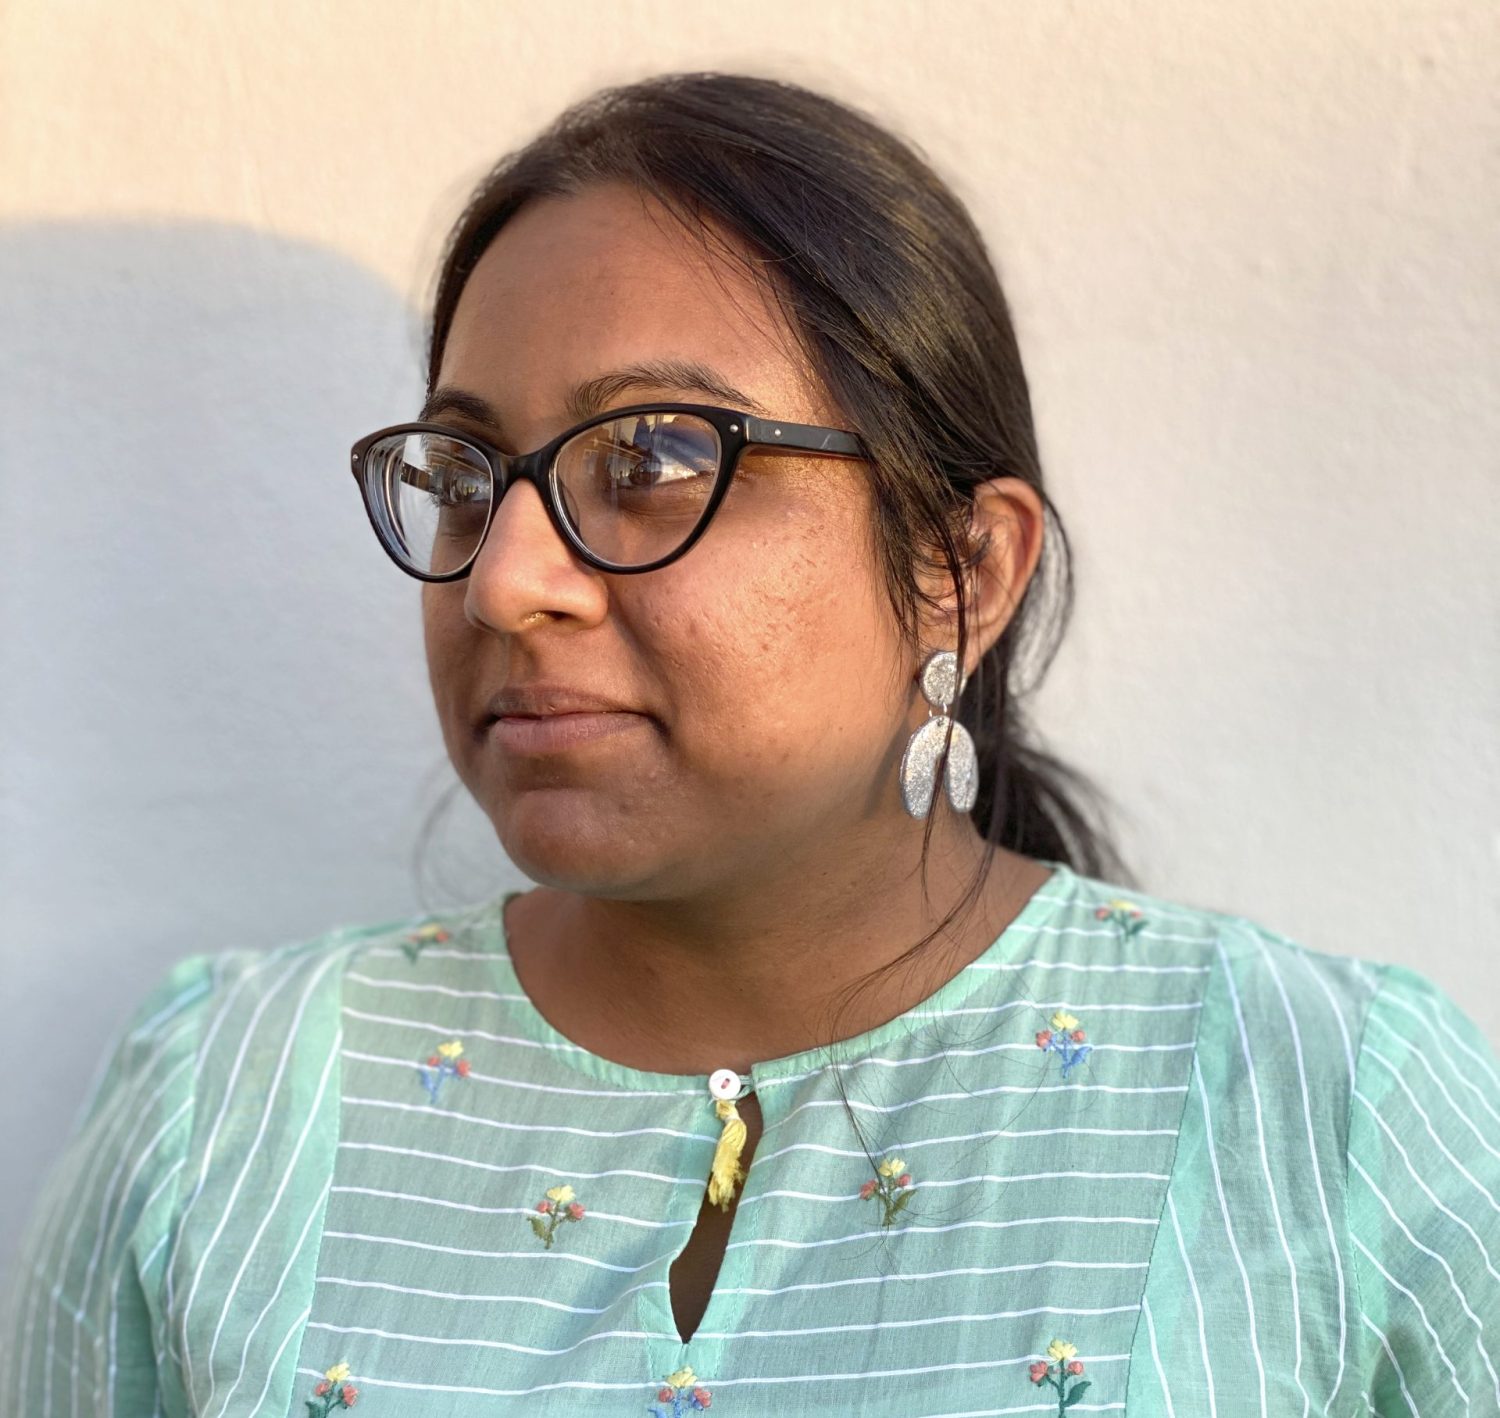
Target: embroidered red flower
(1125, 914)
(560, 1206)
(1061, 1355)
(893, 1186)
(334, 1390)
(420, 939)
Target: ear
(1007, 520)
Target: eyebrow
(593, 396)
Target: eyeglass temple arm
(807, 437)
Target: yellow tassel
(726, 1172)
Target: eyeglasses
(629, 490)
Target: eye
(648, 453)
(457, 487)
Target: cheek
(436, 630)
(445, 631)
(797, 666)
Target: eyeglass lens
(632, 489)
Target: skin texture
(708, 877)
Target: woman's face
(770, 697)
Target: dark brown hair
(883, 273)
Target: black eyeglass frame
(736, 430)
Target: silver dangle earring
(941, 687)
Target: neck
(755, 970)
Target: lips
(543, 698)
(553, 733)
(548, 716)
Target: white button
(724, 1083)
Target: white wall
(1252, 253)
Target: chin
(565, 846)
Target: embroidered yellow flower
(1064, 1021)
(561, 1195)
(337, 1374)
(683, 1378)
(1120, 904)
(1061, 1352)
(892, 1167)
(451, 1050)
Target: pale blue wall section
(217, 726)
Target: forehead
(574, 284)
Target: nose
(524, 567)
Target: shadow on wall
(215, 724)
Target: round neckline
(1040, 906)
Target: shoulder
(1423, 1187)
(1352, 1032)
(219, 1029)
(1426, 1073)
(1364, 1009)
(1261, 983)
(197, 1040)
(1345, 1112)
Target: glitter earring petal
(962, 775)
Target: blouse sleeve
(78, 1330)
(1424, 1202)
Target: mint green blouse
(1138, 1157)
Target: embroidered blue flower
(680, 1393)
(442, 1065)
(1066, 1039)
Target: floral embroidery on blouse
(332, 1391)
(420, 939)
(441, 1066)
(1125, 914)
(893, 1188)
(680, 1393)
(1066, 1039)
(558, 1206)
(1064, 1367)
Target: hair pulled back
(883, 274)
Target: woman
(694, 1121)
